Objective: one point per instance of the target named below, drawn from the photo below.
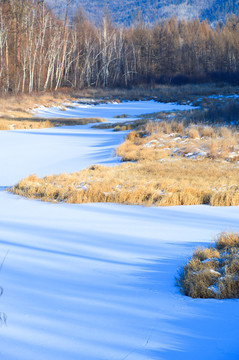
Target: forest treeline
(40, 52)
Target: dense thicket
(39, 52)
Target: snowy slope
(97, 281)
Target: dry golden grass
(16, 110)
(193, 133)
(24, 124)
(18, 107)
(161, 176)
(5, 125)
(174, 182)
(122, 126)
(213, 272)
(173, 165)
(207, 253)
(75, 121)
(37, 123)
(225, 240)
(169, 139)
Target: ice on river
(97, 281)
(109, 110)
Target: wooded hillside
(125, 11)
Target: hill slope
(125, 11)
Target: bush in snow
(213, 272)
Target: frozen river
(97, 281)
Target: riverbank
(16, 110)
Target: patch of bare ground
(213, 272)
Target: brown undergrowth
(213, 272)
(190, 93)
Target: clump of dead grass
(123, 127)
(4, 125)
(166, 139)
(166, 183)
(24, 124)
(213, 272)
(40, 123)
(227, 240)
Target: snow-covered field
(97, 281)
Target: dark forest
(40, 52)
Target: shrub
(227, 240)
(213, 272)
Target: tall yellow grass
(24, 124)
(160, 140)
(180, 182)
(213, 272)
(36, 123)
